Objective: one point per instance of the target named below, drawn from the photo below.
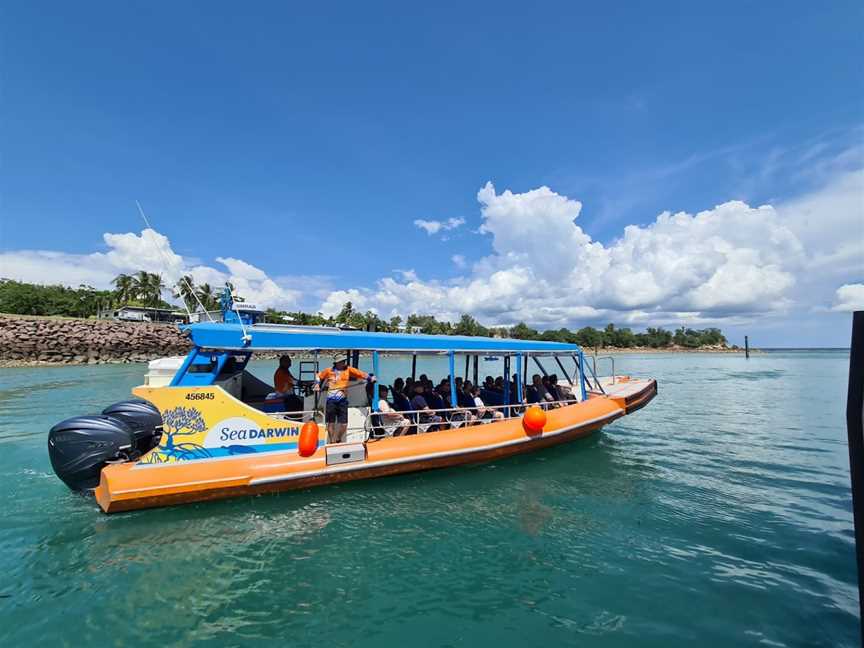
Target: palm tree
(148, 288)
(124, 288)
(207, 296)
(140, 283)
(154, 290)
(185, 290)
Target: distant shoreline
(49, 342)
(670, 350)
(33, 341)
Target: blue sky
(306, 141)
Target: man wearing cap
(337, 378)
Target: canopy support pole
(519, 378)
(317, 371)
(375, 384)
(542, 368)
(452, 358)
(414, 367)
(506, 379)
(476, 368)
(581, 363)
(184, 367)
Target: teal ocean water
(721, 513)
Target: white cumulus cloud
(848, 298)
(433, 226)
(149, 251)
(728, 263)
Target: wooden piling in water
(746, 346)
(855, 432)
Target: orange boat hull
(130, 486)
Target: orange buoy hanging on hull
(534, 420)
(307, 444)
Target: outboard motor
(143, 418)
(80, 447)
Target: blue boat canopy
(273, 337)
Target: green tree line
(588, 336)
(140, 289)
(145, 289)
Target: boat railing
(450, 418)
(375, 424)
(593, 369)
(298, 416)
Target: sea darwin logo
(240, 430)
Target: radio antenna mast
(182, 276)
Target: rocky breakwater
(47, 340)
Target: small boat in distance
(217, 431)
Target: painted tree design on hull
(179, 422)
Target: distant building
(205, 316)
(144, 314)
(403, 328)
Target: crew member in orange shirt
(283, 382)
(336, 411)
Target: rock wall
(47, 340)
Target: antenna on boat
(182, 276)
(228, 302)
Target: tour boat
(214, 430)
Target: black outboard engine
(80, 447)
(143, 418)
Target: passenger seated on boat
(433, 398)
(543, 395)
(491, 397)
(459, 414)
(426, 419)
(283, 382)
(552, 391)
(499, 385)
(483, 412)
(393, 422)
(464, 396)
(489, 383)
(563, 393)
(336, 410)
(515, 396)
(400, 400)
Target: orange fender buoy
(307, 444)
(534, 420)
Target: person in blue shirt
(425, 413)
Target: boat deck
(631, 393)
